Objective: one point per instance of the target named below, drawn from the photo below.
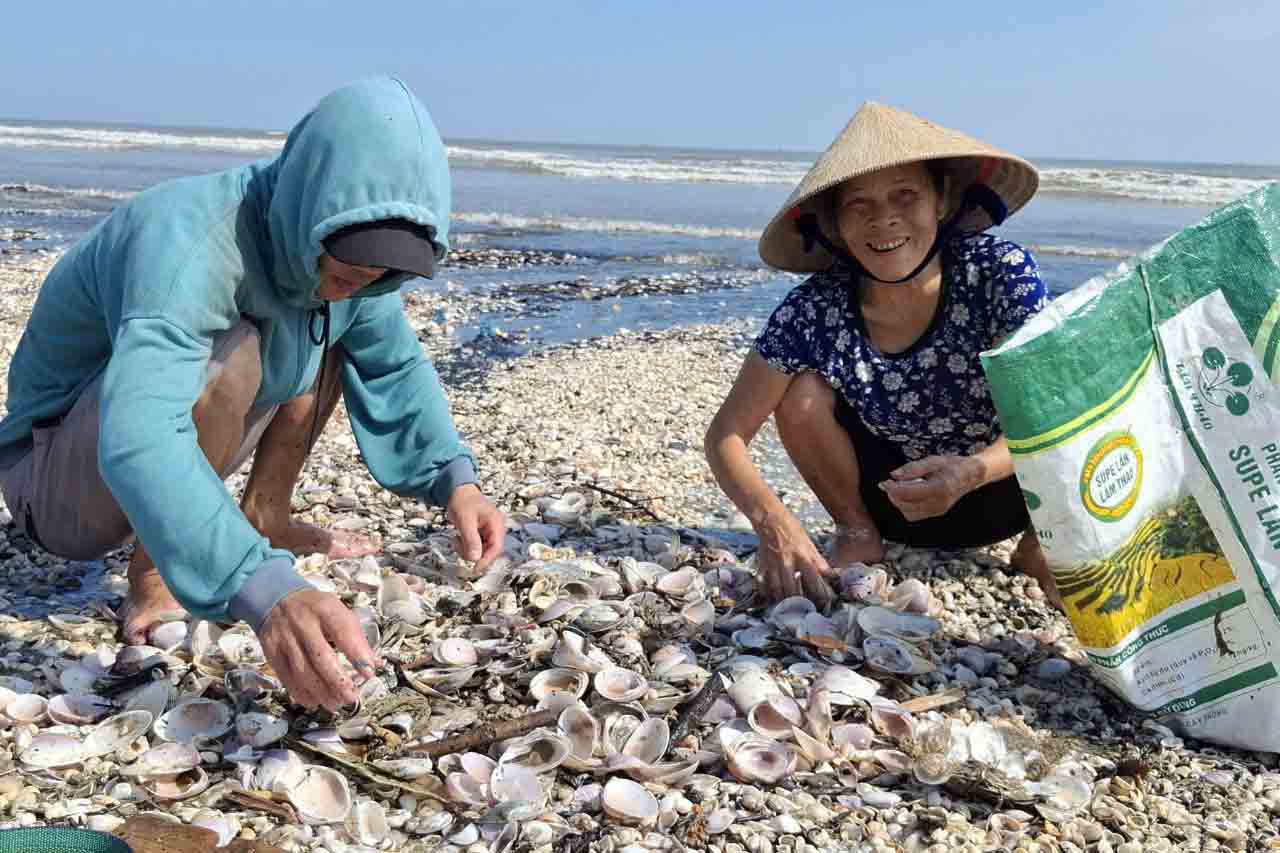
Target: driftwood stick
(484, 734)
(263, 802)
(920, 704)
(698, 706)
(625, 499)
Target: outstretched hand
(929, 487)
(482, 529)
(788, 563)
(298, 639)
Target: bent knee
(234, 375)
(807, 397)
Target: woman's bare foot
(303, 539)
(148, 604)
(856, 545)
(1029, 557)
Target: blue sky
(1168, 80)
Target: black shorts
(990, 514)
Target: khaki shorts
(56, 492)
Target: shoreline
(619, 420)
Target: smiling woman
(870, 368)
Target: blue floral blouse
(932, 398)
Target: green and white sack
(1145, 430)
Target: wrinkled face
(339, 281)
(889, 218)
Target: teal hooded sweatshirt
(144, 293)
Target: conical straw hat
(879, 137)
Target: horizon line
(650, 145)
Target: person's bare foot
(1029, 558)
(856, 545)
(148, 604)
(303, 539)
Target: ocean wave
(50, 212)
(122, 139)
(728, 170)
(572, 223)
(1103, 252)
(1149, 185)
(1178, 186)
(66, 192)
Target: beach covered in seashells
(939, 705)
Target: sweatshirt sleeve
(397, 406)
(204, 547)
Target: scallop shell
(679, 583)
(566, 509)
(559, 680)
(891, 720)
(911, 596)
(755, 759)
(600, 616)
(583, 731)
(884, 622)
(279, 770)
(621, 685)
(321, 796)
(179, 787)
(78, 710)
(775, 717)
(751, 688)
(844, 686)
(889, 654)
(933, 769)
(152, 698)
(649, 741)
(168, 635)
(789, 614)
(539, 751)
(195, 720)
(27, 708)
(118, 732)
(243, 685)
(862, 583)
(629, 802)
(574, 651)
(48, 751)
(456, 651)
(258, 729)
(367, 824)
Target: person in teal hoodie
(215, 315)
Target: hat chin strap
(975, 197)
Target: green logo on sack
(1216, 382)
(1112, 476)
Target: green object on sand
(59, 840)
(1142, 413)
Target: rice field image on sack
(1171, 556)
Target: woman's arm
(930, 486)
(754, 397)
(789, 564)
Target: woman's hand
(788, 563)
(482, 528)
(929, 487)
(298, 639)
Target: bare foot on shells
(148, 604)
(1029, 557)
(852, 545)
(303, 539)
